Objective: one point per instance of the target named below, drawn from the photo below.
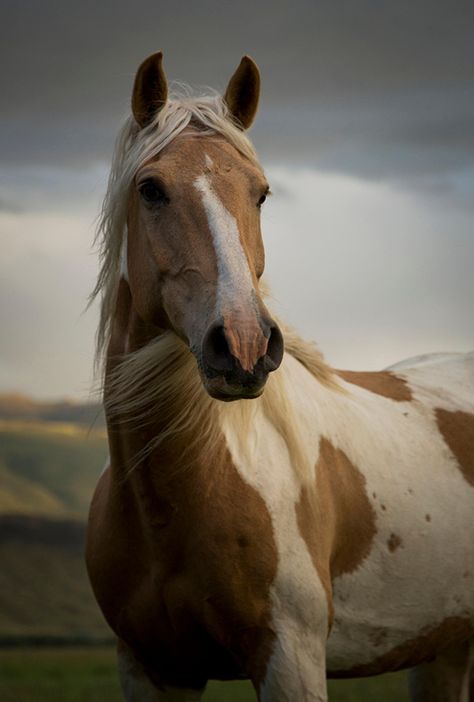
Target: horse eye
(263, 197)
(151, 193)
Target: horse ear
(150, 89)
(243, 92)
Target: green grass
(90, 675)
(391, 687)
(58, 675)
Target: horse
(263, 515)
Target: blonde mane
(161, 379)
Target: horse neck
(130, 439)
(202, 429)
(128, 332)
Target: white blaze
(232, 264)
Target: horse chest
(298, 600)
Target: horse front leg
(137, 686)
(448, 678)
(296, 669)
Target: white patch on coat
(447, 383)
(234, 285)
(424, 359)
(420, 495)
(410, 473)
(296, 670)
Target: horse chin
(220, 389)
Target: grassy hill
(19, 495)
(14, 406)
(50, 460)
(48, 468)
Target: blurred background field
(90, 675)
(54, 645)
(50, 457)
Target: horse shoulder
(115, 555)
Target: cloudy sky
(366, 131)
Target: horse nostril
(275, 349)
(215, 349)
(218, 359)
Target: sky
(365, 130)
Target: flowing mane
(160, 379)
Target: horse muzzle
(236, 360)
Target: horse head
(194, 252)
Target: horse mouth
(220, 388)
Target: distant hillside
(51, 455)
(49, 469)
(50, 460)
(19, 495)
(44, 590)
(20, 407)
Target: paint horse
(263, 516)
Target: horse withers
(263, 516)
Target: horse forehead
(188, 157)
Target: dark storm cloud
(375, 88)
